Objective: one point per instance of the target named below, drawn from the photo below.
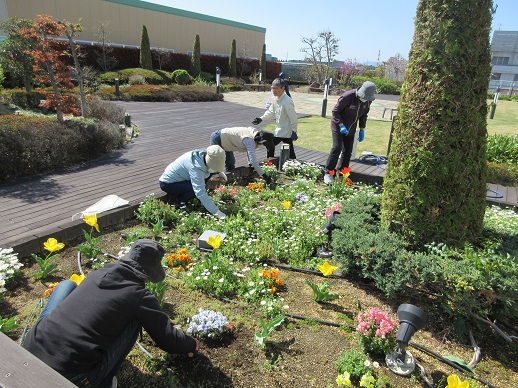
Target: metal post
(285, 154)
(218, 77)
(493, 104)
(117, 90)
(324, 101)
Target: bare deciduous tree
(102, 34)
(320, 52)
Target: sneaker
(328, 179)
(114, 382)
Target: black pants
(342, 145)
(287, 140)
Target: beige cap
(215, 158)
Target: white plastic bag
(109, 202)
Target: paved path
(312, 103)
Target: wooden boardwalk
(36, 208)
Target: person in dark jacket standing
(349, 112)
(85, 333)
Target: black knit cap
(265, 138)
(145, 256)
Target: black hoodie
(73, 338)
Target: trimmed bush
(182, 77)
(186, 93)
(105, 110)
(23, 99)
(32, 145)
(153, 77)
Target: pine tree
(262, 62)
(232, 61)
(435, 185)
(145, 51)
(195, 60)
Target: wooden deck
(36, 208)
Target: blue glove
(294, 136)
(343, 129)
(361, 136)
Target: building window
(515, 77)
(500, 61)
(495, 76)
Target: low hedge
(171, 93)
(32, 145)
(153, 77)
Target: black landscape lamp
(411, 319)
(325, 250)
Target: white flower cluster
(208, 323)
(9, 265)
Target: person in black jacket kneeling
(85, 332)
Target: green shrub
(502, 174)
(185, 93)
(478, 280)
(109, 77)
(182, 77)
(153, 210)
(502, 149)
(153, 77)
(105, 110)
(383, 85)
(23, 99)
(33, 145)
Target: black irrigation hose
(375, 160)
(24, 332)
(450, 363)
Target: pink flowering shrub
(377, 332)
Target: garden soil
(300, 353)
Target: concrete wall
(167, 27)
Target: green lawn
(315, 134)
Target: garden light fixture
(411, 319)
(325, 250)
(218, 77)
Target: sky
(366, 29)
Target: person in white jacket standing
(285, 117)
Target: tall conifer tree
(145, 50)
(435, 186)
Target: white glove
(220, 215)
(223, 176)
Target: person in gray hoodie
(184, 179)
(85, 332)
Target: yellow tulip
(286, 204)
(52, 245)
(454, 382)
(327, 269)
(214, 242)
(92, 221)
(77, 278)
